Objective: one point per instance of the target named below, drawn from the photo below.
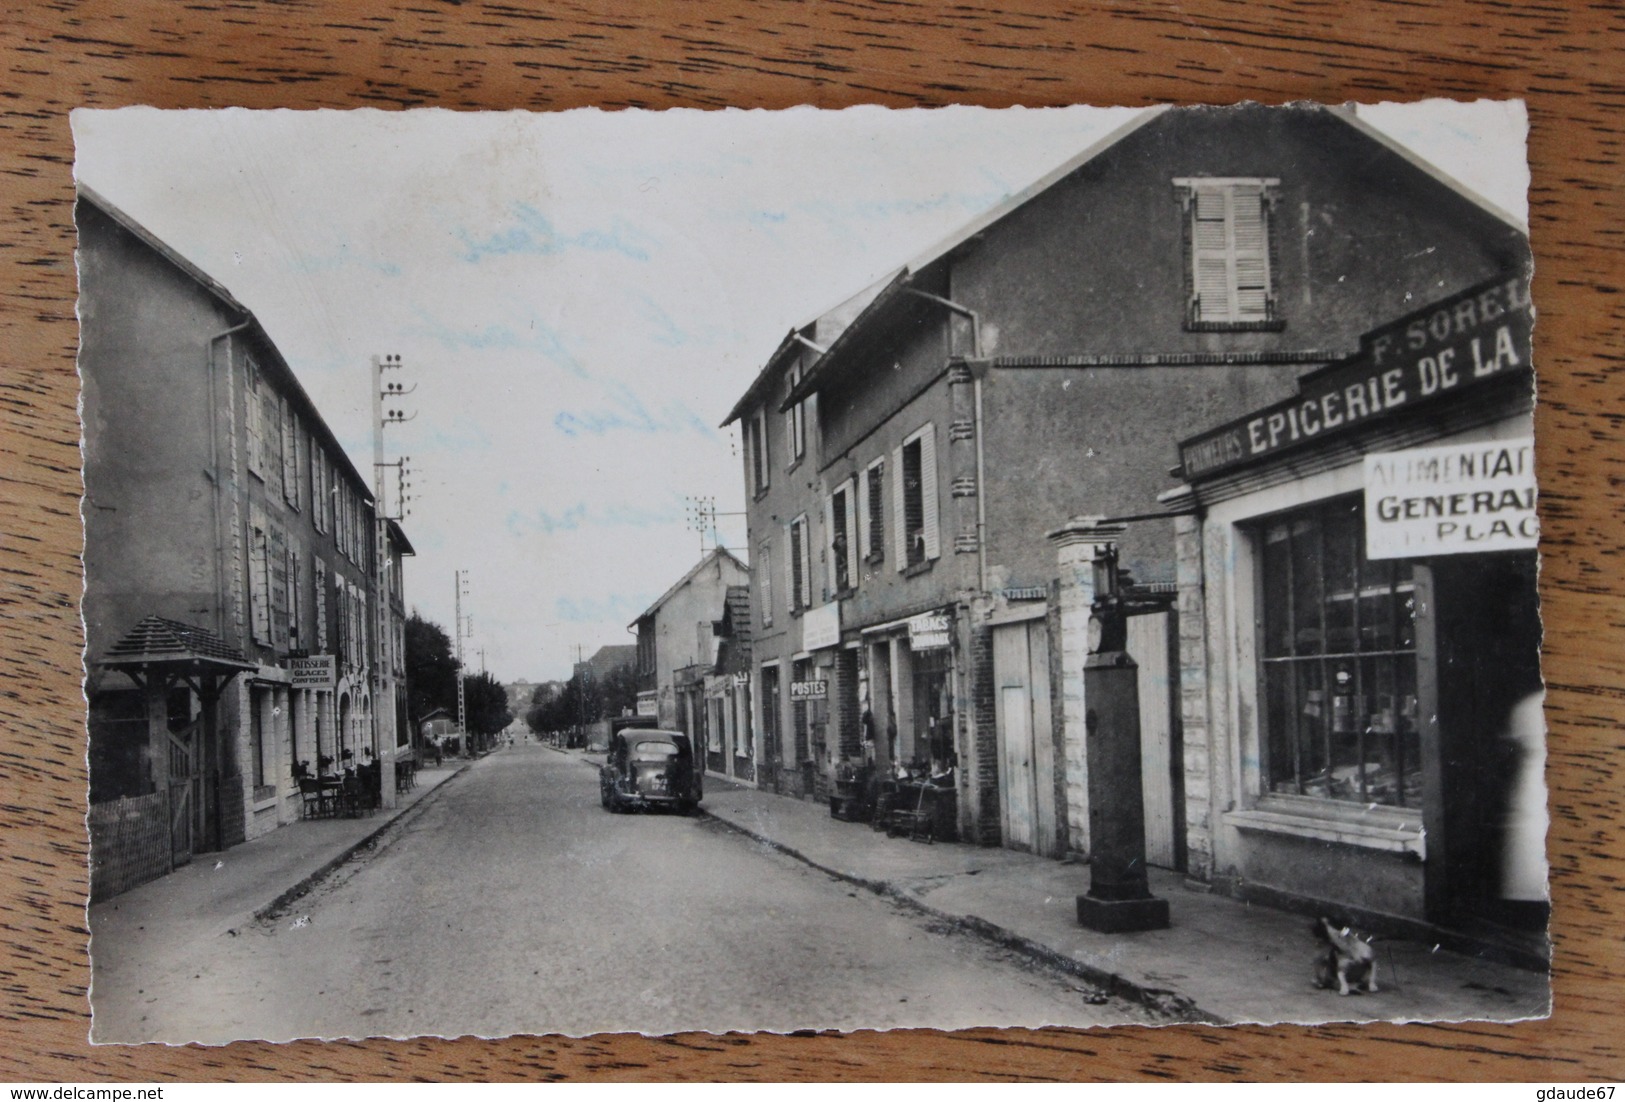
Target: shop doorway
(1026, 743)
(1487, 644)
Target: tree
(431, 670)
(486, 703)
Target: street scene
(809, 570)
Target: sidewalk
(1221, 960)
(221, 891)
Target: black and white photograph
(736, 571)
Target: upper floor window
(1227, 253)
(290, 454)
(756, 452)
(872, 512)
(798, 568)
(840, 521)
(251, 416)
(795, 419)
(915, 499)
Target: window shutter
(899, 510)
(806, 565)
(277, 562)
(928, 491)
(259, 596)
(293, 599)
(1251, 253)
(1210, 253)
(321, 606)
(861, 551)
(791, 589)
(766, 574)
(315, 485)
(848, 527)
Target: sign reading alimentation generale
(1452, 500)
(1462, 342)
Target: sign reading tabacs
(928, 632)
(1453, 500)
(1452, 346)
(313, 673)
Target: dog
(1347, 962)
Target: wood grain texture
(1564, 58)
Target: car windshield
(653, 751)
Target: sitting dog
(1347, 959)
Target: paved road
(513, 904)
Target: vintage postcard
(743, 570)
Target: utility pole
(462, 713)
(384, 705)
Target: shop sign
(1454, 500)
(809, 690)
(1460, 343)
(314, 673)
(741, 680)
(821, 626)
(648, 704)
(928, 632)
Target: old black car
(648, 769)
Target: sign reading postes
(809, 690)
(928, 632)
(1462, 342)
(313, 673)
(1454, 500)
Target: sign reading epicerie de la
(1452, 500)
(1463, 341)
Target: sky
(579, 298)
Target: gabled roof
(715, 553)
(287, 381)
(895, 294)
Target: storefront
(1360, 631)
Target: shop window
(1338, 657)
(931, 741)
(801, 715)
(770, 713)
(1227, 253)
(259, 725)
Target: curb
(304, 884)
(1181, 1009)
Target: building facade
(1361, 631)
(216, 499)
(904, 461)
(678, 642)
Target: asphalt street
(512, 903)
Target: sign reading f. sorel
(1451, 500)
(1456, 344)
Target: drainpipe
(981, 466)
(214, 470)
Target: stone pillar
(1193, 696)
(1079, 544)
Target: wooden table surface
(1564, 58)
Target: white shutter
(806, 564)
(1210, 253)
(1251, 251)
(831, 583)
(853, 547)
(861, 551)
(791, 590)
(321, 606)
(899, 510)
(928, 492)
(766, 574)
